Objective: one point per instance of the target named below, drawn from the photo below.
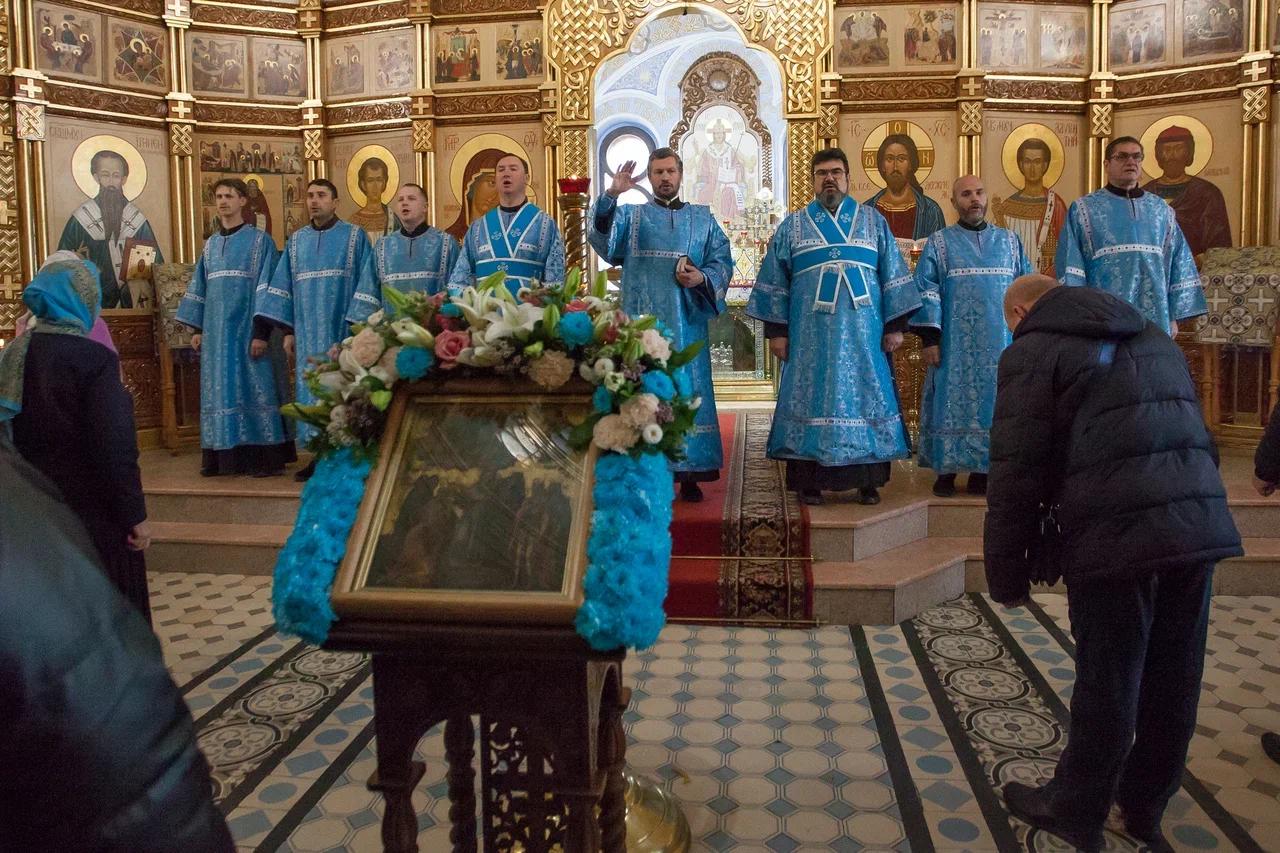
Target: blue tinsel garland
(628, 552)
(310, 558)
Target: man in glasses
(834, 295)
(1127, 242)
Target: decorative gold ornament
(1255, 104)
(30, 121)
(550, 130)
(1199, 132)
(1100, 116)
(803, 138)
(388, 159)
(574, 156)
(829, 121)
(423, 135)
(1023, 132)
(180, 140)
(971, 118)
(313, 144)
(82, 161)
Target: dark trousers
(1139, 659)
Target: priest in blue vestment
(241, 428)
(416, 256)
(962, 276)
(516, 237)
(1127, 242)
(835, 297)
(323, 283)
(676, 265)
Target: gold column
(422, 109)
(970, 91)
(550, 134)
(1255, 112)
(802, 144)
(11, 224)
(183, 190)
(574, 199)
(310, 26)
(1102, 101)
(29, 109)
(828, 111)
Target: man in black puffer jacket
(1096, 417)
(97, 746)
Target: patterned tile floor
(773, 740)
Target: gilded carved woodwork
(126, 106)
(971, 118)
(424, 135)
(580, 34)
(1072, 92)
(829, 121)
(30, 121)
(802, 136)
(468, 7)
(890, 90)
(388, 111)
(1255, 104)
(448, 105)
(180, 136)
(550, 129)
(260, 19)
(248, 114)
(575, 159)
(336, 17)
(723, 78)
(1188, 82)
(313, 144)
(1100, 120)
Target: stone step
(894, 584)
(248, 549)
(841, 531)
(186, 505)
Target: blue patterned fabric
(647, 240)
(1133, 249)
(239, 404)
(536, 250)
(836, 403)
(323, 283)
(411, 264)
(962, 276)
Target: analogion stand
(552, 743)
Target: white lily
(410, 333)
(480, 356)
(476, 306)
(515, 321)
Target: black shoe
(812, 497)
(977, 484)
(209, 472)
(305, 474)
(1032, 806)
(263, 472)
(1271, 746)
(1146, 830)
(945, 485)
(690, 491)
(868, 496)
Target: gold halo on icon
(353, 173)
(924, 145)
(1023, 132)
(254, 177)
(472, 147)
(1199, 132)
(82, 159)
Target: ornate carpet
(742, 555)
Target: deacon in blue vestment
(415, 256)
(676, 265)
(515, 237)
(835, 296)
(1128, 243)
(963, 275)
(323, 283)
(241, 428)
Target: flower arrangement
(643, 401)
(642, 408)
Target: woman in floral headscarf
(62, 403)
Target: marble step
(225, 506)
(248, 549)
(894, 584)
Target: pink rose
(438, 299)
(449, 324)
(449, 344)
(575, 306)
(610, 334)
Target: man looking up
(516, 237)
(416, 256)
(963, 275)
(323, 283)
(835, 294)
(1128, 243)
(676, 264)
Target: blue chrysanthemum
(658, 384)
(684, 385)
(450, 310)
(413, 362)
(602, 400)
(576, 329)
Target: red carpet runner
(742, 554)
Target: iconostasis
(123, 116)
